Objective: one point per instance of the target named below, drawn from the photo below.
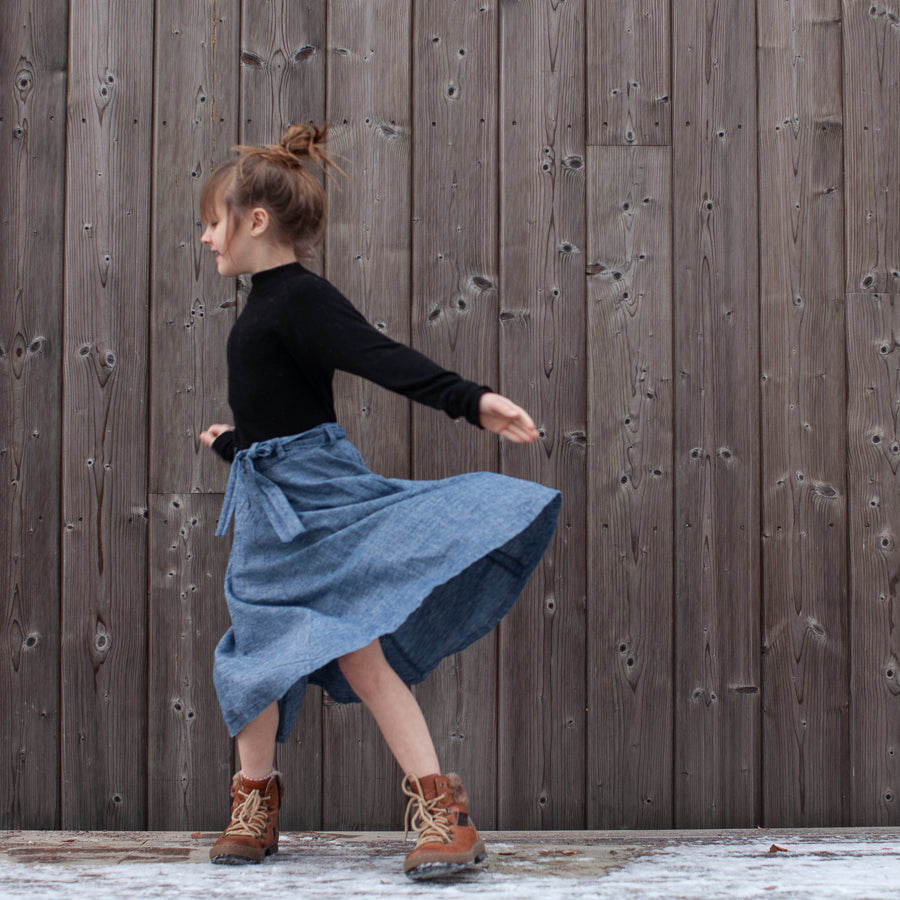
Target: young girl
(337, 576)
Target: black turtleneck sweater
(294, 332)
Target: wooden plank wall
(672, 232)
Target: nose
(206, 237)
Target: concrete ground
(820, 864)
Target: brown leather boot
(448, 842)
(253, 831)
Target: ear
(259, 221)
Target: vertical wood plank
(630, 488)
(871, 78)
(32, 198)
(368, 237)
(717, 588)
(283, 67)
(803, 448)
(455, 312)
(541, 739)
(283, 81)
(104, 620)
(193, 307)
(873, 353)
(628, 72)
(368, 258)
(190, 754)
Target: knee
(365, 672)
(358, 673)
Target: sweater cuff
(472, 414)
(224, 445)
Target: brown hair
(274, 177)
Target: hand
(208, 437)
(503, 417)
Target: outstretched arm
(503, 417)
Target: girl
(337, 576)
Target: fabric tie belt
(246, 480)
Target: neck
(270, 256)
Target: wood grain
(455, 313)
(871, 80)
(873, 354)
(803, 388)
(190, 759)
(629, 72)
(630, 482)
(492, 147)
(368, 258)
(717, 582)
(32, 200)
(541, 706)
(104, 581)
(283, 67)
(283, 81)
(196, 98)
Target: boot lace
(249, 817)
(427, 817)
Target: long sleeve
(295, 331)
(224, 445)
(341, 338)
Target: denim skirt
(328, 556)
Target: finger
(524, 425)
(520, 434)
(526, 420)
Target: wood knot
(481, 283)
(514, 316)
(301, 54)
(252, 60)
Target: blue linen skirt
(328, 556)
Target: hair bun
(308, 142)
(297, 144)
(305, 140)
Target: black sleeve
(224, 445)
(341, 338)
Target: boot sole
(235, 861)
(232, 860)
(434, 870)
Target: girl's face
(229, 242)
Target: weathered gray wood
(190, 754)
(871, 79)
(192, 306)
(541, 707)
(32, 201)
(104, 582)
(283, 81)
(368, 237)
(873, 354)
(462, 211)
(717, 587)
(628, 72)
(455, 313)
(283, 65)
(803, 448)
(368, 258)
(630, 480)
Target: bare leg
(394, 707)
(256, 743)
